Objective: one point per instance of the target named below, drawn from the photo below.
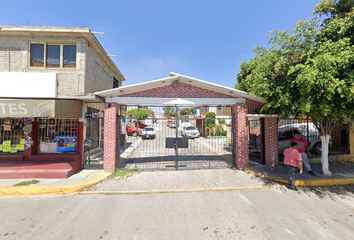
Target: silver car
(286, 133)
(191, 132)
(172, 125)
(148, 132)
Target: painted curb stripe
(50, 190)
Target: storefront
(40, 130)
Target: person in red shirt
(304, 151)
(293, 161)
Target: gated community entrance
(180, 122)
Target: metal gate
(176, 137)
(94, 142)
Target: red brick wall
(241, 135)
(110, 137)
(253, 105)
(181, 91)
(271, 141)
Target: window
(286, 136)
(57, 135)
(115, 83)
(12, 136)
(52, 55)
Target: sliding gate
(176, 137)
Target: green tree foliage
(210, 120)
(221, 121)
(143, 113)
(185, 111)
(336, 11)
(309, 72)
(169, 112)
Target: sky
(204, 39)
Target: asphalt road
(153, 154)
(262, 214)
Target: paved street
(153, 154)
(261, 214)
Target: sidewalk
(181, 181)
(80, 180)
(342, 174)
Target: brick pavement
(188, 179)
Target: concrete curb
(319, 182)
(51, 190)
(222, 189)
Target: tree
(210, 120)
(169, 111)
(306, 74)
(221, 121)
(335, 10)
(143, 113)
(185, 111)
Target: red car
(141, 124)
(132, 130)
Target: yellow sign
(6, 149)
(6, 143)
(0, 147)
(22, 141)
(20, 147)
(13, 150)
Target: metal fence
(204, 140)
(339, 142)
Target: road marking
(245, 199)
(289, 231)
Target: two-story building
(47, 79)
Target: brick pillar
(110, 137)
(271, 141)
(241, 135)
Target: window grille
(12, 137)
(57, 135)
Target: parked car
(148, 132)
(141, 124)
(131, 130)
(182, 126)
(286, 133)
(191, 132)
(169, 122)
(172, 125)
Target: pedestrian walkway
(180, 180)
(342, 173)
(79, 177)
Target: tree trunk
(324, 154)
(324, 128)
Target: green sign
(13, 150)
(6, 143)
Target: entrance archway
(165, 92)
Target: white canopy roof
(117, 92)
(179, 101)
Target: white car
(182, 127)
(191, 132)
(148, 132)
